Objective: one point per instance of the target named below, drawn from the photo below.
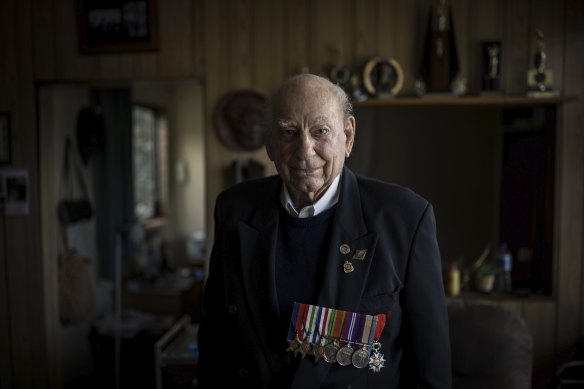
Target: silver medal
(360, 358)
(330, 352)
(344, 355)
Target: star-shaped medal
(292, 345)
(305, 349)
(376, 362)
(318, 352)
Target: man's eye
(288, 132)
(321, 131)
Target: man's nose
(305, 146)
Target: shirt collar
(327, 200)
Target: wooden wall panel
(174, 32)
(69, 64)
(109, 66)
(50, 237)
(240, 44)
(5, 339)
(7, 104)
(267, 41)
(571, 188)
(411, 21)
(366, 33)
(540, 318)
(198, 38)
(386, 20)
(216, 82)
(516, 47)
(44, 39)
(328, 31)
(295, 36)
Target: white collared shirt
(328, 199)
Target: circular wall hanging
(239, 120)
(383, 77)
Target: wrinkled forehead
(313, 99)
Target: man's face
(310, 138)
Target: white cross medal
(376, 361)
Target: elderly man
(319, 277)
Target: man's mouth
(306, 171)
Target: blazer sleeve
(425, 308)
(215, 316)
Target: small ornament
(360, 255)
(345, 249)
(348, 267)
(376, 362)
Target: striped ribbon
(315, 323)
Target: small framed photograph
(5, 156)
(14, 192)
(110, 26)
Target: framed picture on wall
(114, 26)
(5, 138)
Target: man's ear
(349, 134)
(268, 144)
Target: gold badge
(348, 267)
(360, 255)
(345, 249)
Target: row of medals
(344, 356)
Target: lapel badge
(360, 254)
(345, 249)
(348, 267)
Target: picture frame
(115, 26)
(5, 146)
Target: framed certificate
(116, 26)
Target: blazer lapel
(340, 289)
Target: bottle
(453, 280)
(504, 265)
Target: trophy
(491, 67)
(339, 74)
(440, 59)
(539, 78)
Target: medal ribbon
(293, 319)
(373, 329)
(320, 322)
(366, 329)
(349, 331)
(338, 325)
(324, 317)
(331, 323)
(309, 323)
(315, 317)
(301, 320)
(381, 319)
(346, 326)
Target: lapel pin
(345, 249)
(348, 267)
(360, 254)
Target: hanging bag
(73, 206)
(76, 292)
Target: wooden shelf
(479, 101)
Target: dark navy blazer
(238, 339)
